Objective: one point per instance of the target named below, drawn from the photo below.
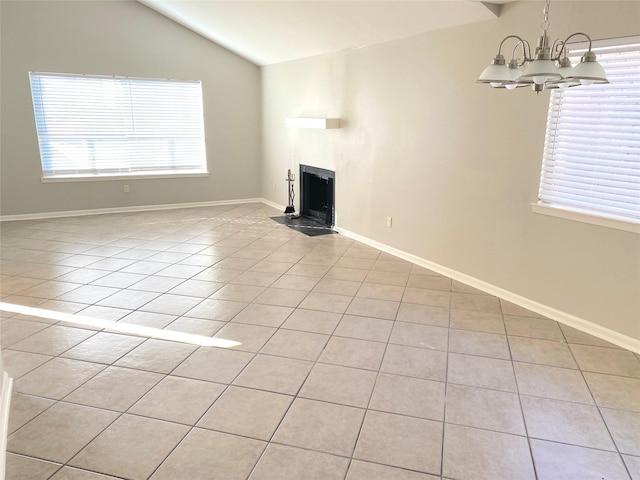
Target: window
(591, 162)
(96, 127)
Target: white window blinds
(91, 126)
(591, 160)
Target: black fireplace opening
(317, 194)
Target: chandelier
(549, 67)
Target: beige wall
(455, 164)
(122, 38)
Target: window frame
(585, 215)
(199, 168)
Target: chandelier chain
(545, 22)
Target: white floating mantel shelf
(321, 123)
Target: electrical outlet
(389, 221)
(126, 189)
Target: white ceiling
(267, 31)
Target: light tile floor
(350, 363)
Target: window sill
(106, 178)
(586, 217)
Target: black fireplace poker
(290, 210)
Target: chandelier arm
(526, 48)
(564, 43)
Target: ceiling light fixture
(542, 70)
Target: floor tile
(482, 408)
(552, 382)
(320, 426)
(251, 337)
(25, 408)
(259, 279)
(197, 288)
(196, 326)
(247, 412)
(159, 356)
(475, 303)
(295, 344)
(470, 453)
(633, 465)
(103, 347)
(625, 429)
(430, 282)
(544, 352)
(18, 364)
(479, 343)
(275, 374)
(289, 463)
(400, 441)
(175, 305)
(422, 296)
(281, 296)
(386, 278)
(213, 364)
(119, 279)
(296, 282)
(70, 473)
(409, 396)
(359, 470)
(60, 432)
(140, 445)
(265, 315)
(177, 399)
(364, 328)
(611, 391)
(422, 336)
(381, 292)
(482, 372)
(351, 274)
(336, 384)
(312, 321)
(19, 467)
(88, 294)
(326, 302)
(238, 293)
(533, 328)
(148, 319)
(350, 352)
(337, 287)
(566, 422)
(612, 361)
(53, 340)
(369, 307)
(114, 388)
(415, 362)
(49, 289)
(157, 284)
(477, 321)
(57, 378)
(214, 454)
(556, 461)
(509, 308)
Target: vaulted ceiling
(267, 32)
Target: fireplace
(317, 194)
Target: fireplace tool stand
(290, 211)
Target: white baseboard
(132, 209)
(275, 205)
(581, 324)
